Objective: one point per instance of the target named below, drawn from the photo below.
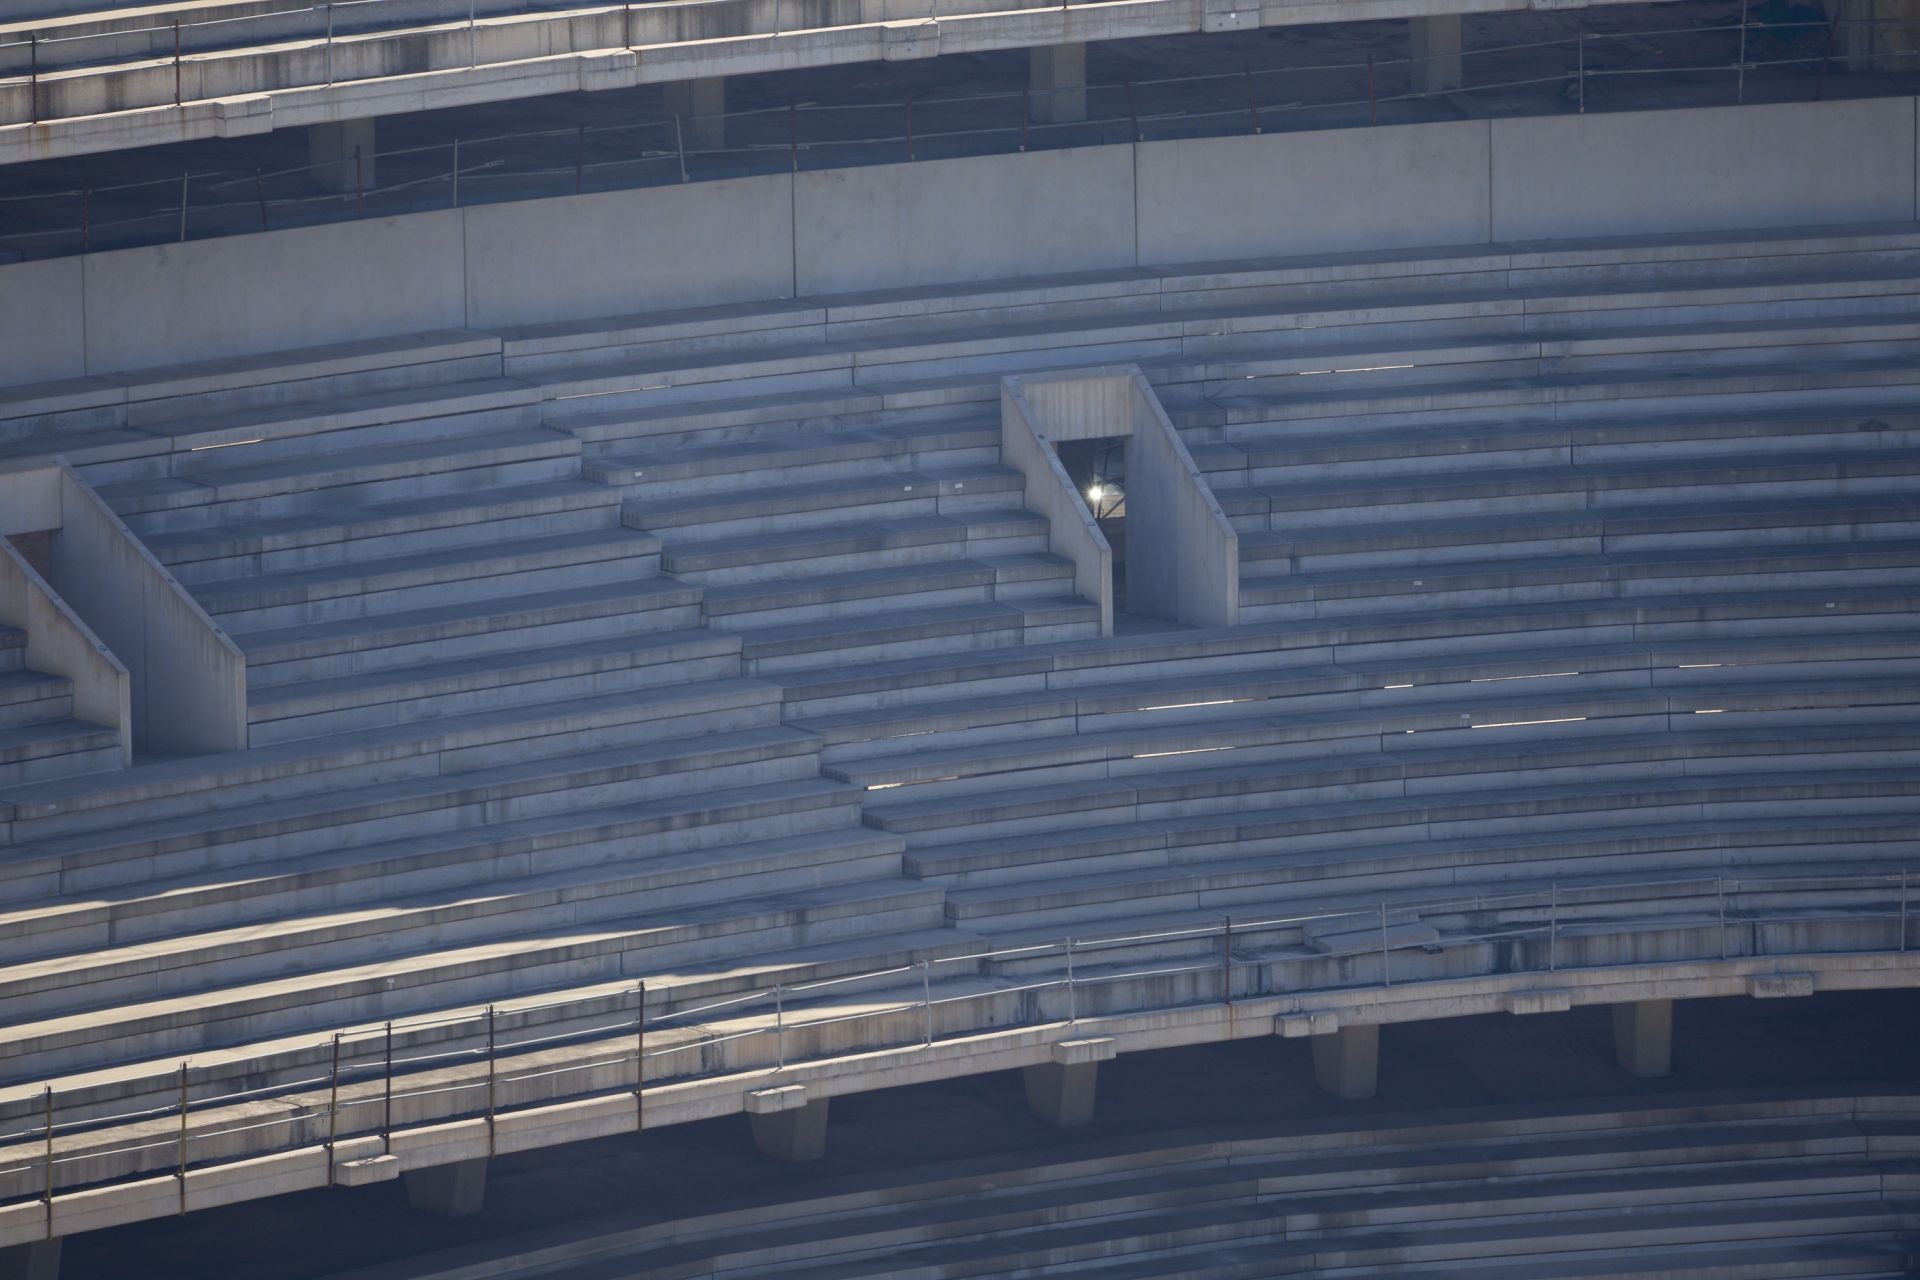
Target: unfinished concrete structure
(527, 693)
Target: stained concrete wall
(1183, 556)
(966, 220)
(1323, 192)
(980, 218)
(653, 249)
(1071, 529)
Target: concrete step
(32, 697)
(850, 547)
(41, 750)
(781, 509)
(611, 557)
(897, 592)
(777, 650)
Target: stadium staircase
(720, 649)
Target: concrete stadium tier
(724, 651)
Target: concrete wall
(189, 681)
(954, 221)
(1294, 193)
(980, 218)
(60, 644)
(1071, 529)
(1183, 556)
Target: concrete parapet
(455, 1190)
(1346, 1062)
(1643, 1037)
(1772, 986)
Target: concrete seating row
(1776, 1188)
(40, 738)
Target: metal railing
(383, 1079)
(542, 163)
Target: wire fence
(377, 1081)
(1574, 74)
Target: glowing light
(1095, 492)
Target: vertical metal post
(1720, 887)
(1373, 103)
(579, 159)
(1133, 114)
(33, 77)
(1553, 926)
(1582, 72)
(626, 26)
(473, 59)
(1903, 908)
(1026, 115)
(456, 173)
(260, 197)
(359, 186)
(490, 1082)
(926, 1000)
(49, 1160)
(1253, 102)
(779, 1031)
(386, 1112)
(329, 45)
(1386, 963)
(176, 62)
(333, 1106)
(181, 1173)
(680, 148)
(1740, 93)
(640, 1058)
(909, 126)
(183, 205)
(86, 220)
(1073, 1004)
(1226, 961)
(793, 134)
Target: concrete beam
(1346, 1063)
(39, 1260)
(787, 1124)
(342, 155)
(454, 1190)
(1643, 1037)
(1057, 83)
(1434, 44)
(1063, 1092)
(699, 106)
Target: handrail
(1718, 905)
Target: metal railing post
(626, 26)
(329, 44)
(1133, 113)
(926, 1001)
(1073, 1004)
(1253, 101)
(386, 1111)
(1226, 961)
(181, 1172)
(1903, 908)
(1386, 963)
(333, 1106)
(1720, 888)
(176, 62)
(86, 220)
(640, 1058)
(473, 58)
(579, 159)
(793, 133)
(1581, 71)
(456, 173)
(1740, 92)
(1553, 926)
(1026, 115)
(183, 204)
(680, 148)
(260, 197)
(33, 77)
(779, 1031)
(48, 1197)
(909, 127)
(490, 1082)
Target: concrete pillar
(1437, 41)
(1057, 83)
(701, 105)
(1346, 1063)
(331, 147)
(1643, 1037)
(36, 1260)
(454, 1190)
(1062, 1091)
(788, 1125)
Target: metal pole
(640, 1058)
(909, 126)
(333, 1106)
(1720, 887)
(1903, 908)
(456, 173)
(1373, 105)
(1253, 102)
(490, 1082)
(926, 998)
(86, 220)
(1740, 94)
(260, 197)
(1582, 64)
(1386, 970)
(779, 1032)
(1133, 115)
(680, 148)
(1073, 1009)
(183, 205)
(473, 59)
(49, 1191)
(1226, 961)
(386, 1114)
(359, 186)
(1553, 926)
(579, 159)
(329, 45)
(176, 62)
(626, 26)
(33, 78)
(182, 1173)
(1026, 115)
(793, 133)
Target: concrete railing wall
(60, 644)
(963, 221)
(1071, 529)
(189, 680)
(1183, 556)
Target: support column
(1062, 1091)
(1437, 41)
(787, 1125)
(330, 149)
(1643, 1037)
(454, 1190)
(37, 1260)
(1057, 83)
(701, 105)
(1346, 1063)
